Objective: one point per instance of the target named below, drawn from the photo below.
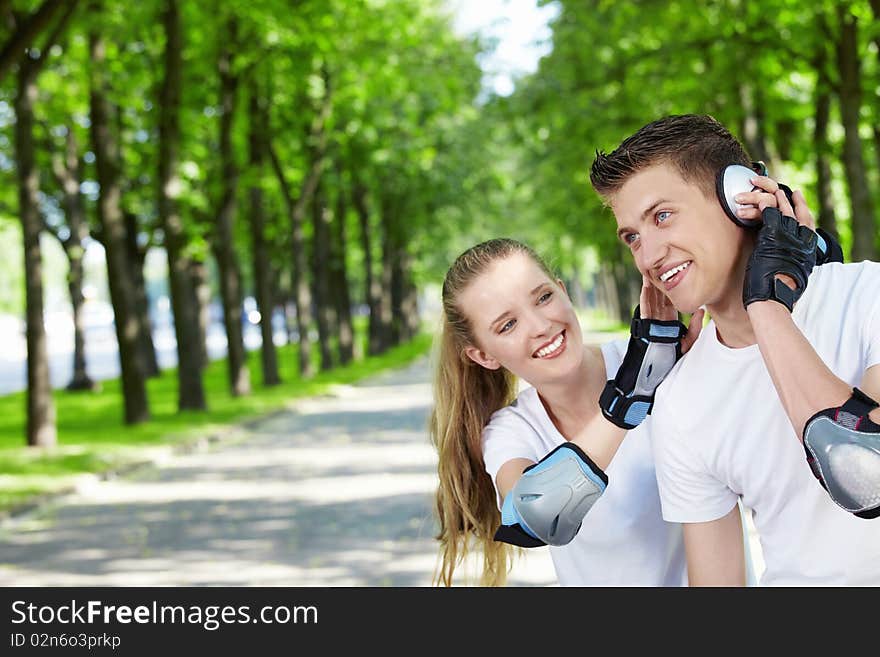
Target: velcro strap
(654, 330)
(784, 294)
(623, 411)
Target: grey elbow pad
(552, 497)
(843, 450)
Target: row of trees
(325, 153)
(302, 147)
(797, 82)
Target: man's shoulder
(837, 285)
(843, 275)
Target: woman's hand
(654, 304)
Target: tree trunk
(201, 301)
(25, 31)
(826, 218)
(339, 274)
(68, 172)
(324, 307)
(262, 263)
(863, 221)
(302, 297)
(372, 284)
(409, 308)
(190, 344)
(136, 258)
(41, 430)
(113, 231)
(227, 263)
(386, 292)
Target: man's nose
(651, 253)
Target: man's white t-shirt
(719, 431)
(623, 540)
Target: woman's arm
(545, 502)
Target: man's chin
(686, 306)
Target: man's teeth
(672, 272)
(550, 348)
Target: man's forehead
(651, 185)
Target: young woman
(505, 316)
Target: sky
(521, 28)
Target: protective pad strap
(843, 450)
(551, 498)
(827, 248)
(654, 348)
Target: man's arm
(804, 383)
(715, 551)
(838, 425)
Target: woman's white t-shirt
(623, 540)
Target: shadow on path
(338, 491)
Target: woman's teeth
(550, 348)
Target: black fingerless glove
(783, 247)
(827, 248)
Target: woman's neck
(572, 403)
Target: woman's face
(522, 320)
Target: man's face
(680, 239)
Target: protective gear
(827, 248)
(783, 247)
(843, 451)
(654, 348)
(736, 178)
(551, 498)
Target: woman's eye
(663, 215)
(629, 238)
(507, 326)
(544, 297)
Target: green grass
(92, 437)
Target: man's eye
(544, 297)
(663, 215)
(507, 326)
(629, 238)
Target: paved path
(336, 491)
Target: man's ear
(481, 358)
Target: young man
(731, 420)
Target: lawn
(92, 437)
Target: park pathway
(335, 491)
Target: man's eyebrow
(647, 211)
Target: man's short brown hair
(697, 145)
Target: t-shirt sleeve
(872, 327)
(508, 437)
(688, 491)
(613, 353)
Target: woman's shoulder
(521, 409)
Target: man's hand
(784, 255)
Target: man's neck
(732, 324)
(731, 319)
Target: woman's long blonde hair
(465, 396)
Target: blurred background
(279, 185)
